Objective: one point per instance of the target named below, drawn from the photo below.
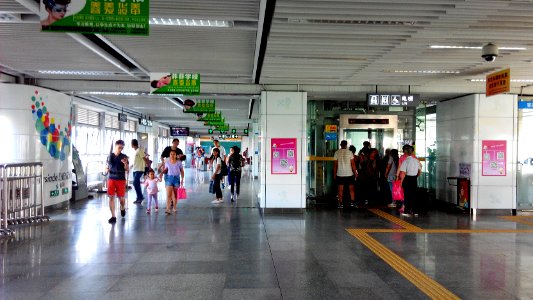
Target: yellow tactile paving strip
(396, 220)
(426, 284)
(519, 219)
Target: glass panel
(525, 160)
(379, 138)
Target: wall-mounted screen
(179, 131)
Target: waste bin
(463, 191)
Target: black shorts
(344, 180)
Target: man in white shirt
(344, 171)
(138, 170)
(409, 171)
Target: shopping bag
(397, 191)
(212, 187)
(182, 193)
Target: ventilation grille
(112, 122)
(88, 117)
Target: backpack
(235, 163)
(223, 168)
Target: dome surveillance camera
(489, 52)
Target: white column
(283, 115)
(462, 125)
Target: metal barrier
(21, 199)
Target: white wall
(283, 115)
(462, 124)
(23, 142)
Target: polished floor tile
(233, 251)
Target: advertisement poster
(494, 158)
(463, 193)
(123, 17)
(37, 127)
(283, 155)
(175, 83)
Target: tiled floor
(233, 252)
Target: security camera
(489, 52)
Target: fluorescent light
(84, 73)
(512, 80)
(190, 22)
(427, 71)
(108, 93)
(471, 47)
(174, 102)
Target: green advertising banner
(224, 127)
(201, 106)
(215, 123)
(175, 83)
(125, 17)
(211, 117)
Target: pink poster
(494, 158)
(283, 155)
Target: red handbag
(181, 193)
(397, 191)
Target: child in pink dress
(151, 184)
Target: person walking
(138, 170)
(151, 186)
(390, 172)
(344, 172)
(231, 151)
(174, 176)
(117, 167)
(235, 164)
(222, 155)
(216, 162)
(409, 171)
(166, 153)
(369, 176)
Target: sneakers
(148, 211)
(232, 199)
(113, 220)
(217, 201)
(138, 201)
(123, 212)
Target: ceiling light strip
(512, 80)
(190, 22)
(427, 71)
(473, 47)
(71, 72)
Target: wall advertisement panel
(36, 125)
(284, 156)
(494, 158)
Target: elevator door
(380, 139)
(525, 160)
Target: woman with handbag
(390, 173)
(216, 162)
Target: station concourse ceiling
(334, 50)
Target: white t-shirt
(410, 166)
(221, 149)
(217, 162)
(344, 158)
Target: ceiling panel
(25, 48)
(225, 55)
